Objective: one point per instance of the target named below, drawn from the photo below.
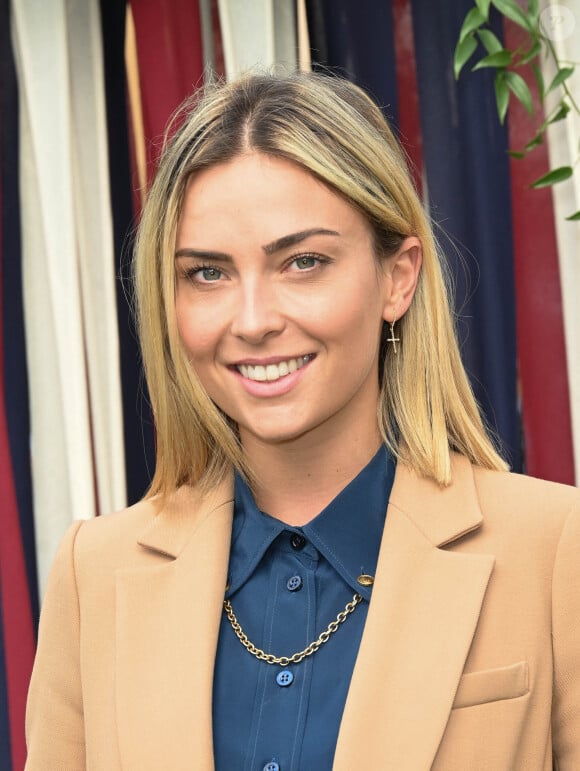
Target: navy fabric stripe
(469, 193)
(358, 44)
(5, 752)
(137, 421)
(14, 344)
(5, 739)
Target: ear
(401, 274)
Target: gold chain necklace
(295, 658)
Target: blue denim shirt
(285, 585)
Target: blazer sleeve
(54, 713)
(566, 646)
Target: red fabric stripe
(14, 590)
(408, 95)
(170, 54)
(539, 321)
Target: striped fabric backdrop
(86, 90)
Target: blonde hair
(331, 128)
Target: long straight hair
(331, 128)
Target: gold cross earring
(392, 339)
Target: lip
(270, 388)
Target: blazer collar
(442, 514)
(422, 617)
(168, 613)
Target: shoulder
(507, 488)
(517, 495)
(117, 529)
(153, 528)
(104, 543)
(522, 513)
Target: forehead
(263, 197)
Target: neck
(297, 479)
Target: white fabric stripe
(285, 34)
(69, 413)
(61, 447)
(94, 228)
(563, 146)
(257, 33)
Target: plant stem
(557, 62)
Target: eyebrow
(284, 242)
(204, 254)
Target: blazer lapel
(168, 617)
(422, 617)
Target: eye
(305, 262)
(202, 274)
(208, 274)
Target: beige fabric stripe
(304, 57)
(135, 104)
(206, 22)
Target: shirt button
(294, 584)
(297, 541)
(271, 766)
(284, 678)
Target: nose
(258, 314)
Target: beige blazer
(470, 657)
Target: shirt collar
(347, 532)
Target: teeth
(258, 372)
(272, 371)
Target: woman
(296, 329)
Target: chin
(274, 436)
(275, 433)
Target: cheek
(355, 311)
(197, 329)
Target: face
(280, 301)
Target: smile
(272, 372)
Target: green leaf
(463, 51)
(490, 42)
(483, 6)
(472, 21)
(537, 140)
(563, 110)
(512, 10)
(502, 94)
(553, 177)
(499, 59)
(516, 154)
(533, 52)
(519, 88)
(534, 10)
(562, 75)
(539, 80)
(574, 217)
